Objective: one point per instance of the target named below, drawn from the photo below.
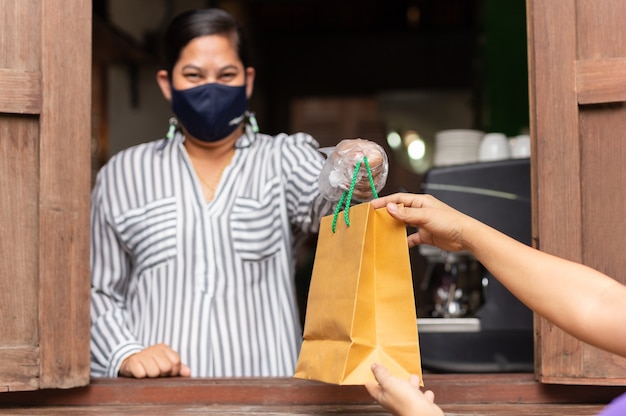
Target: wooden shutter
(577, 66)
(45, 65)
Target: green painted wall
(503, 68)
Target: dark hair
(191, 24)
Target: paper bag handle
(346, 197)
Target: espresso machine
(467, 320)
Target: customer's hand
(402, 397)
(437, 223)
(158, 360)
(337, 173)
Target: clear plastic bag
(338, 169)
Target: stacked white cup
(457, 146)
(494, 146)
(520, 146)
(460, 146)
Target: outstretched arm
(580, 300)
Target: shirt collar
(247, 138)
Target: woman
(582, 301)
(194, 236)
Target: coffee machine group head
(452, 284)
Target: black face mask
(210, 112)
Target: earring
(173, 124)
(252, 121)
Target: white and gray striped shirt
(215, 281)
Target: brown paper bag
(361, 307)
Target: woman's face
(207, 59)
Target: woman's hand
(402, 397)
(155, 361)
(337, 173)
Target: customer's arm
(582, 301)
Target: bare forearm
(580, 300)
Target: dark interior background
(364, 47)
(306, 49)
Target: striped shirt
(214, 281)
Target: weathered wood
(459, 394)
(601, 80)
(45, 56)
(576, 57)
(18, 221)
(448, 388)
(555, 177)
(601, 61)
(65, 184)
(603, 153)
(20, 35)
(480, 409)
(18, 266)
(20, 91)
(20, 368)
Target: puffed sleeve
(301, 164)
